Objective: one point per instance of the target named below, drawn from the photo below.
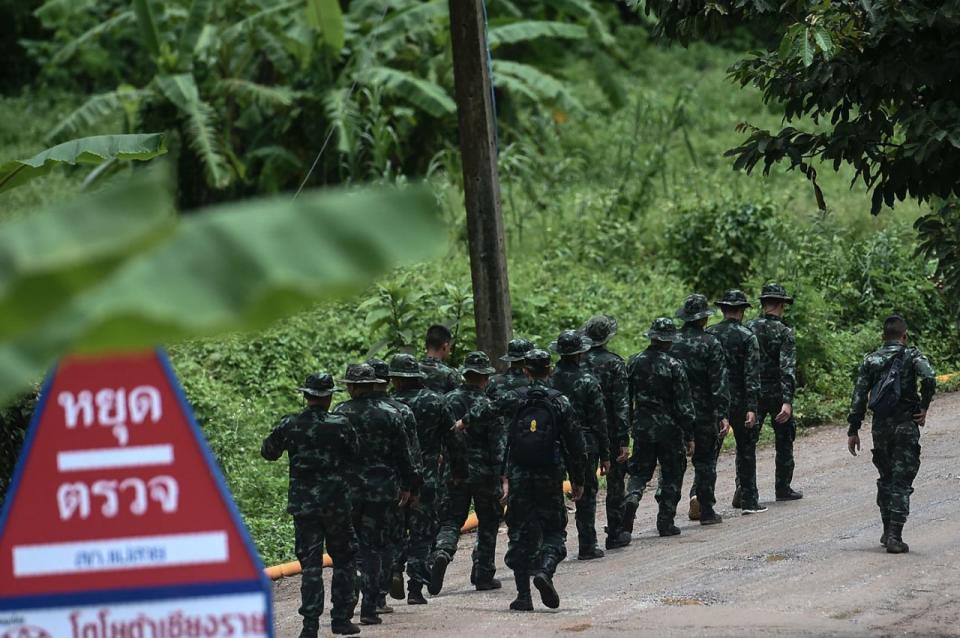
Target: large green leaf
(326, 17)
(525, 30)
(532, 82)
(70, 48)
(429, 96)
(95, 110)
(196, 19)
(86, 150)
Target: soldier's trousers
(586, 515)
(896, 454)
(485, 496)
(785, 434)
(746, 460)
(423, 526)
(616, 491)
(695, 484)
(671, 456)
(536, 525)
(706, 439)
(373, 520)
(334, 530)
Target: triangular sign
(118, 521)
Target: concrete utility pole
(478, 147)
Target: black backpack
(885, 394)
(534, 433)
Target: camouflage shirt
(321, 448)
(383, 466)
(509, 380)
(610, 370)
(778, 358)
(583, 390)
(742, 352)
(434, 424)
(916, 367)
(659, 396)
(441, 378)
(410, 428)
(484, 437)
(703, 360)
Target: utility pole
(481, 185)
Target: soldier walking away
(583, 391)
(609, 369)
(514, 376)
(542, 440)
(436, 437)
(703, 360)
(743, 374)
(320, 446)
(439, 376)
(778, 382)
(383, 477)
(887, 384)
(481, 427)
(662, 420)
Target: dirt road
(809, 568)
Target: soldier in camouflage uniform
(514, 377)
(662, 419)
(778, 382)
(743, 373)
(439, 376)
(609, 368)
(536, 513)
(320, 447)
(392, 576)
(583, 391)
(383, 476)
(14, 420)
(481, 426)
(896, 432)
(435, 433)
(703, 361)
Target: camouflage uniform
(440, 377)
(384, 468)
(513, 377)
(321, 446)
(896, 438)
(484, 440)
(583, 391)
(703, 360)
(743, 373)
(609, 368)
(778, 382)
(662, 419)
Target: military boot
(789, 494)
(629, 515)
(736, 502)
(694, 513)
(415, 594)
(590, 553)
(437, 572)
(668, 530)
(311, 627)
(344, 628)
(708, 516)
(396, 586)
(548, 593)
(383, 607)
(617, 539)
(895, 544)
(368, 613)
(523, 602)
(886, 528)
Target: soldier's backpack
(534, 433)
(885, 394)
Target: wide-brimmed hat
(517, 349)
(695, 307)
(537, 358)
(662, 329)
(478, 363)
(380, 368)
(406, 366)
(318, 385)
(571, 342)
(733, 298)
(600, 329)
(775, 291)
(360, 373)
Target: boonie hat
(318, 385)
(695, 307)
(477, 362)
(600, 329)
(405, 365)
(733, 298)
(360, 373)
(662, 329)
(571, 342)
(775, 291)
(516, 349)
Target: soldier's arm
(719, 381)
(599, 419)
(928, 381)
(631, 394)
(858, 403)
(574, 449)
(683, 403)
(752, 373)
(275, 443)
(403, 461)
(788, 367)
(454, 451)
(351, 443)
(618, 419)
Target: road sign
(118, 522)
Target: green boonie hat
(775, 291)
(571, 342)
(318, 385)
(600, 328)
(477, 362)
(662, 329)
(733, 298)
(695, 307)
(360, 373)
(380, 368)
(405, 365)
(537, 358)
(516, 349)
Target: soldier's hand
(690, 448)
(786, 411)
(853, 444)
(751, 420)
(576, 492)
(404, 498)
(724, 427)
(604, 468)
(920, 418)
(624, 454)
(460, 426)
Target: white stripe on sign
(120, 553)
(112, 458)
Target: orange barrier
(943, 378)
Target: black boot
(523, 601)
(886, 528)
(396, 586)
(548, 593)
(368, 613)
(383, 607)
(789, 494)
(415, 594)
(617, 539)
(629, 514)
(487, 583)
(437, 572)
(344, 628)
(708, 516)
(590, 553)
(311, 627)
(736, 502)
(668, 530)
(895, 544)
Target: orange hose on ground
(943, 378)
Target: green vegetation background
(622, 210)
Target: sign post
(118, 521)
